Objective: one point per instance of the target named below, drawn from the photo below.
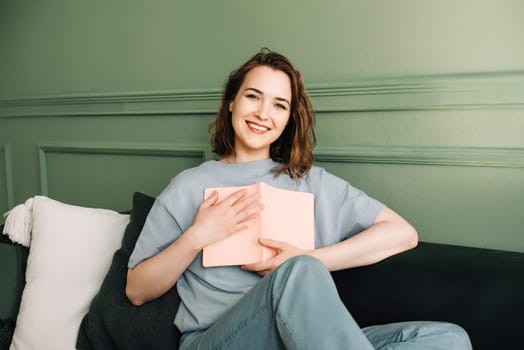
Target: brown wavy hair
(294, 148)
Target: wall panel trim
(9, 179)
(450, 91)
(416, 155)
(137, 149)
(422, 155)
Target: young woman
(264, 132)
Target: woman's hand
(216, 220)
(284, 251)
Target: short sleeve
(358, 211)
(341, 210)
(159, 231)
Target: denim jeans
(298, 307)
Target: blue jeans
(298, 307)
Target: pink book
(287, 216)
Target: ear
(231, 106)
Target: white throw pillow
(71, 251)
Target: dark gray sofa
(482, 290)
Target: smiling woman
(264, 132)
(259, 113)
(276, 88)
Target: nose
(263, 111)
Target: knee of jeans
(303, 265)
(457, 335)
(304, 262)
(300, 272)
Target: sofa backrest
(12, 276)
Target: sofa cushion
(482, 290)
(7, 327)
(12, 279)
(12, 275)
(113, 322)
(71, 250)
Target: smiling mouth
(256, 127)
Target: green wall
(419, 103)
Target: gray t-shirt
(206, 293)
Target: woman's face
(260, 112)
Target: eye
(281, 106)
(252, 96)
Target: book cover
(287, 216)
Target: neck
(243, 158)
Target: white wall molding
(423, 155)
(451, 91)
(202, 152)
(5, 149)
(417, 155)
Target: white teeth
(258, 127)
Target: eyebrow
(262, 93)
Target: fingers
(283, 250)
(265, 267)
(248, 213)
(271, 243)
(211, 200)
(245, 224)
(235, 213)
(259, 267)
(244, 207)
(234, 197)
